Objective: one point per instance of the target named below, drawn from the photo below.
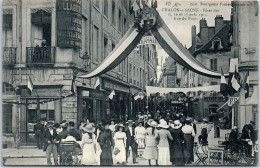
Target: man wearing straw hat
(50, 138)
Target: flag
(232, 100)
(246, 85)
(223, 84)
(234, 79)
(30, 84)
(97, 83)
(137, 97)
(235, 82)
(111, 95)
(134, 7)
(73, 86)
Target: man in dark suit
(130, 141)
(73, 132)
(38, 129)
(50, 139)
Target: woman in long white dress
(88, 143)
(119, 152)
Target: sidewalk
(28, 152)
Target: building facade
(245, 35)
(52, 41)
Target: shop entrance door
(47, 113)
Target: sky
(207, 9)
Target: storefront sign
(85, 93)
(214, 99)
(69, 23)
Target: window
(95, 44)
(119, 21)
(105, 47)
(41, 28)
(85, 34)
(134, 75)
(7, 30)
(113, 46)
(113, 12)
(106, 8)
(130, 72)
(125, 26)
(7, 88)
(125, 67)
(96, 3)
(7, 118)
(140, 77)
(213, 64)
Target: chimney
(204, 31)
(219, 22)
(203, 23)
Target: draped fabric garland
(152, 90)
(150, 21)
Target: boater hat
(163, 124)
(88, 128)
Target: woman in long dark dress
(106, 143)
(176, 145)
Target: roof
(223, 35)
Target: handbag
(116, 151)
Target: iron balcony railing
(9, 55)
(40, 55)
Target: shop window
(134, 75)
(7, 118)
(213, 108)
(106, 8)
(7, 88)
(213, 64)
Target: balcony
(9, 55)
(40, 55)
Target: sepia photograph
(130, 83)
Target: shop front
(117, 108)
(43, 104)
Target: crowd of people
(167, 142)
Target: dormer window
(216, 44)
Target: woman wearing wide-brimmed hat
(164, 152)
(119, 152)
(177, 158)
(151, 150)
(88, 143)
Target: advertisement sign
(69, 23)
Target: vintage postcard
(130, 82)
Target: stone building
(51, 41)
(245, 44)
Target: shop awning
(151, 89)
(253, 100)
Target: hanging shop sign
(69, 23)
(147, 40)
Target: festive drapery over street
(130, 83)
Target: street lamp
(86, 59)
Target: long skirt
(188, 147)
(164, 156)
(106, 157)
(151, 152)
(89, 155)
(121, 156)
